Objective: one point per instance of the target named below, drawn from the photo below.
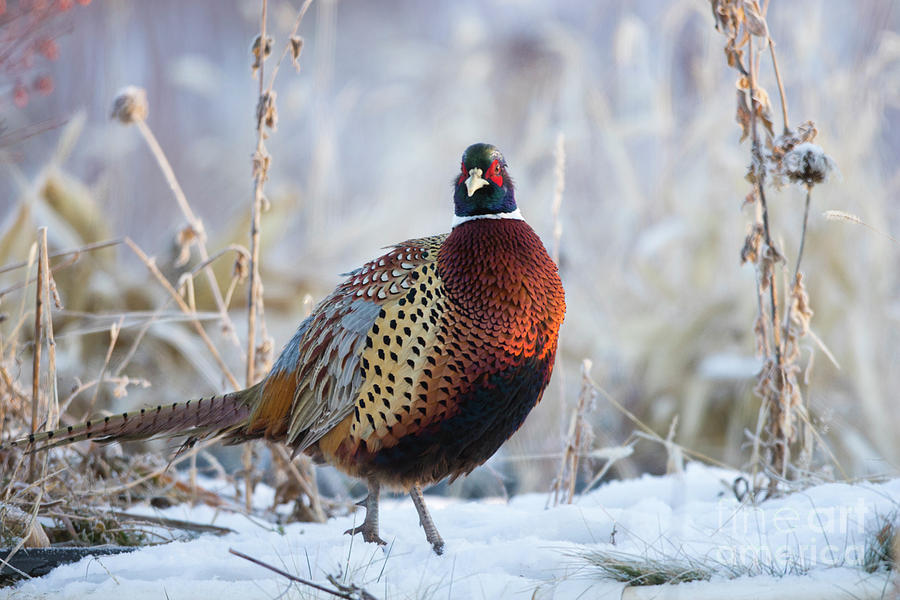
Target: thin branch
(113, 338)
(154, 270)
(287, 47)
(260, 173)
(260, 168)
(784, 111)
(38, 335)
(310, 490)
(192, 219)
(76, 251)
(356, 594)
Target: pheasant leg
(431, 532)
(369, 527)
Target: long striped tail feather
(195, 418)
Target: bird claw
(368, 534)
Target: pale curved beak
(475, 182)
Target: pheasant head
(483, 186)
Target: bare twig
(154, 270)
(784, 111)
(193, 221)
(309, 488)
(76, 251)
(564, 484)
(38, 336)
(287, 47)
(113, 338)
(260, 174)
(348, 592)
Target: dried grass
(48, 488)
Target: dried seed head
(241, 268)
(266, 111)
(296, 48)
(260, 51)
(186, 238)
(750, 251)
(808, 164)
(130, 105)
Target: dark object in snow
(416, 368)
(36, 562)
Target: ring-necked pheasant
(417, 367)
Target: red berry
(84, 2)
(65, 5)
(20, 96)
(43, 85)
(49, 49)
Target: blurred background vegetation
(369, 137)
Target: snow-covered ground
(518, 549)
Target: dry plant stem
(76, 251)
(113, 338)
(28, 282)
(154, 270)
(260, 175)
(564, 484)
(771, 44)
(14, 335)
(38, 342)
(119, 489)
(784, 111)
(194, 222)
(300, 14)
(780, 448)
(348, 596)
(650, 434)
(787, 311)
(53, 404)
(310, 490)
(81, 387)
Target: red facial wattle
(493, 173)
(463, 175)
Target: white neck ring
(516, 215)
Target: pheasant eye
(493, 173)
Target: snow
(516, 550)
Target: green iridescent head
(483, 186)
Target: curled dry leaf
(261, 163)
(753, 19)
(761, 104)
(801, 313)
(750, 251)
(296, 48)
(241, 268)
(185, 238)
(768, 258)
(260, 51)
(266, 112)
